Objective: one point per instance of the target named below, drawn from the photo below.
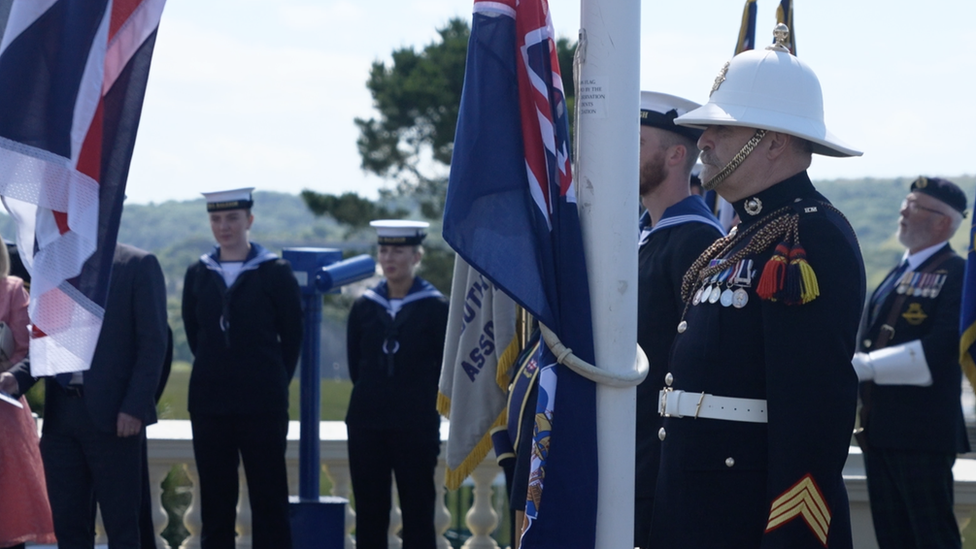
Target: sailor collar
(689, 210)
(421, 289)
(255, 256)
(769, 200)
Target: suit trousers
(411, 455)
(911, 498)
(84, 464)
(220, 443)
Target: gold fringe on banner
(454, 477)
(967, 338)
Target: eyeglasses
(913, 206)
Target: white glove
(863, 366)
(903, 364)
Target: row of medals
(921, 284)
(738, 276)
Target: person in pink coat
(25, 514)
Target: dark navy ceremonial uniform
(245, 340)
(914, 433)
(392, 421)
(776, 483)
(666, 251)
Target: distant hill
(872, 206)
(178, 233)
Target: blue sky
(263, 94)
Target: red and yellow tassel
(809, 287)
(771, 282)
(801, 281)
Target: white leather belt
(674, 403)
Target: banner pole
(608, 105)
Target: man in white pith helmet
(675, 229)
(759, 402)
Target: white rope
(566, 357)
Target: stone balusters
(191, 519)
(481, 518)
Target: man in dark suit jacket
(91, 441)
(908, 361)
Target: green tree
(348, 208)
(417, 97)
(411, 139)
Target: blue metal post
(308, 448)
(317, 522)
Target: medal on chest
(728, 287)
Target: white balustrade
(243, 524)
(157, 474)
(396, 520)
(170, 444)
(442, 515)
(481, 518)
(100, 537)
(191, 519)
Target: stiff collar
(769, 200)
(916, 259)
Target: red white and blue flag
(511, 213)
(72, 78)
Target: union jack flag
(511, 213)
(73, 76)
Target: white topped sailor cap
(399, 232)
(659, 110)
(233, 199)
(770, 89)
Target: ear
(945, 224)
(777, 143)
(676, 155)
(250, 221)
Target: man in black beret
(908, 363)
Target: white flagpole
(608, 131)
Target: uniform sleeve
(149, 316)
(353, 336)
(812, 393)
(440, 331)
(188, 309)
(941, 343)
(21, 371)
(18, 320)
(288, 316)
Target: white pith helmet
(773, 90)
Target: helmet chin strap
(735, 162)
